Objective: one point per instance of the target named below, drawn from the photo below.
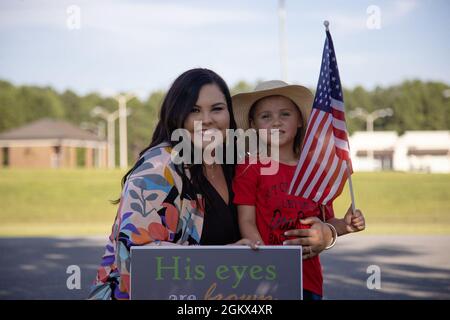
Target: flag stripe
(342, 154)
(340, 187)
(332, 180)
(337, 114)
(340, 134)
(312, 118)
(339, 124)
(337, 184)
(326, 179)
(322, 166)
(322, 177)
(341, 144)
(339, 105)
(317, 149)
(317, 118)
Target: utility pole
(282, 42)
(371, 117)
(122, 99)
(110, 119)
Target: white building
(373, 151)
(425, 151)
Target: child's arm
(247, 223)
(350, 223)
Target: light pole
(370, 117)
(122, 99)
(110, 119)
(282, 35)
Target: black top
(220, 224)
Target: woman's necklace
(210, 170)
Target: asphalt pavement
(358, 267)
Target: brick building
(48, 143)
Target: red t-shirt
(277, 211)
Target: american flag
(324, 163)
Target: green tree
(10, 115)
(240, 87)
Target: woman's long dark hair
(176, 107)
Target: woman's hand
(247, 242)
(313, 240)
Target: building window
(386, 161)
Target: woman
(186, 204)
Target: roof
(48, 129)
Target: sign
(216, 273)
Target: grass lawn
(400, 203)
(76, 202)
(57, 202)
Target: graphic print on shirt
(286, 212)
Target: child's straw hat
(300, 95)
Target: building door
(5, 157)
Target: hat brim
(300, 95)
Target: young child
(265, 209)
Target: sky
(112, 46)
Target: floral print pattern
(154, 208)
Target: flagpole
(326, 23)
(350, 185)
